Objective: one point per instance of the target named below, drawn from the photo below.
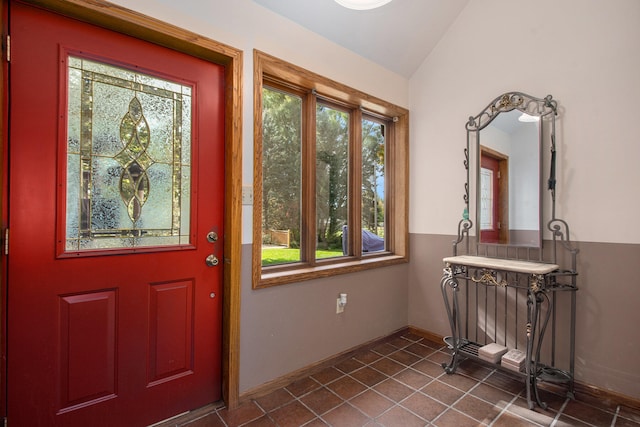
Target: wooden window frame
(279, 73)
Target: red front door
(115, 193)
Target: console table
(494, 290)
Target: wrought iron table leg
(534, 300)
(539, 297)
(454, 318)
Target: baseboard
(584, 392)
(581, 389)
(426, 334)
(285, 380)
(603, 395)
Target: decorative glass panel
(486, 199)
(128, 159)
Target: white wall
(585, 54)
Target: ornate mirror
(505, 142)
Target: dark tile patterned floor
(401, 383)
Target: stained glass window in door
(486, 199)
(128, 158)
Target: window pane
(281, 177)
(128, 159)
(332, 179)
(373, 186)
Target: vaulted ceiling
(398, 36)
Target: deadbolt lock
(212, 237)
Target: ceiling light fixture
(528, 118)
(362, 4)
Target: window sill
(269, 279)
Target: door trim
(125, 21)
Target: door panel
(170, 331)
(125, 336)
(87, 347)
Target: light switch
(247, 195)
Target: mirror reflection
(508, 200)
(503, 159)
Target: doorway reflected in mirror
(509, 180)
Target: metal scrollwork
(536, 282)
(466, 185)
(447, 272)
(466, 158)
(560, 230)
(490, 277)
(510, 101)
(463, 231)
(449, 281)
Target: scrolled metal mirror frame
(546, 109)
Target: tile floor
(401, 383)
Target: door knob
(211, 260)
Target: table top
(517, 266)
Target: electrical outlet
(339, 307)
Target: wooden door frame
(125, 21)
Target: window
(330, 177)
(128, 159)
